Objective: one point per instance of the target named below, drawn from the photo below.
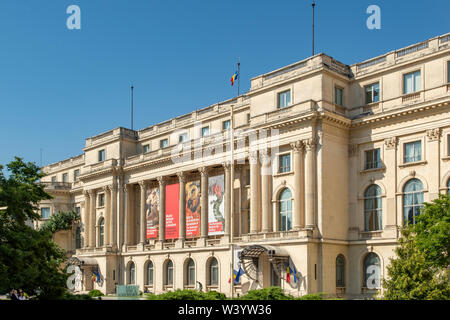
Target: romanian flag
(94, 277)
(288, 274)
(234, 78)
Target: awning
(278, 257)
(82, 261)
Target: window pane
(407, 83)
(45, 213)
(284, 99)
(417, 81)
(413, 152)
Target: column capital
(310, 144)
(105, 188)
(434, 134)
(297, 146)
(391, 143)
(203, 171)
(161, 181)
(226, 165)
(86, 193)
(253, 156)
(112, 187)
(181, 176)
(142, 184)
(126, 188)
(92, 192)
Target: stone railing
(56, 185)
(291, 111)
(99, 166)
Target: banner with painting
(172, 211)
(193, 209)
(216, 206)
(152, 212)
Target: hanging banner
(193, 209)
(152, 212)
(216, 205)
(172, 210)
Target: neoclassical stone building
(328, 161)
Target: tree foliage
(61, 221)
(420, 268)
(187, 295)
(29, 259)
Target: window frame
(190, 278)
(378, 162)
(168, 271)
(372, 92)
(161, 143)
(183, 140)
(288, 213)
(202, 134)
(132, 275)
(101, 200)
(76, 175)
(377, 209)
(414, 206)
(415, 90)
(226, 122)
(146, 148)
(336, 88)
(287, 103)
(405, 144)
(340, 258)
(101, 232)
(366, 265)
(100, 153)
(150, 279)
(211, 269)
(49, 213)
(280, 155)
(65, 177)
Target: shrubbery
(187, 295)
(95, 293)
(71, 296)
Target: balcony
(56, 185)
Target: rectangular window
(248, 117)
(284, 99)
(101, 155)
(413, 152)
(411, 82)
(77, 210)
(448, 71)
(54, 179)
(205, 131)
(285, 163)
(146, 148)
(65, 177)
(101, 200)
(45, 213)
(226, 125)
(248, 177)
(339, 96)
(372, 159)
(164, 143)
(372, 92)
(76, 173)
(182, 137)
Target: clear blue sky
(59, 86)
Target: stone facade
(340, 137)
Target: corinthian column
(162, 208)
(92, 196)
(299, 187)
(142, 224)
(265, 193)
(204, 202)
(254, 190)
(228, 190)
(85, 219)
(107, 216)
(113, 225)
(310, 182)
(126, 214)
(182, 204)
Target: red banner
(172, 210)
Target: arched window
(101, 232)
(190, 272)
(168, 281)
(372, 271)
(372, 208)
(149, 274)
(340, 271)
(213, 272)
(448, 186)
(132, 273)
(78, 238)
(412, 200)
(285, 207)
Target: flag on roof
(234, 77)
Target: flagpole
(132, 106)
(313, 5)
(239, 75)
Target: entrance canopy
(249, 259)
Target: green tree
(61, 221)
(29, 259)
(420, 268)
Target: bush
(71, 296)
(95, 293)
(271, 293)
(187, 295)
(312, 296)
